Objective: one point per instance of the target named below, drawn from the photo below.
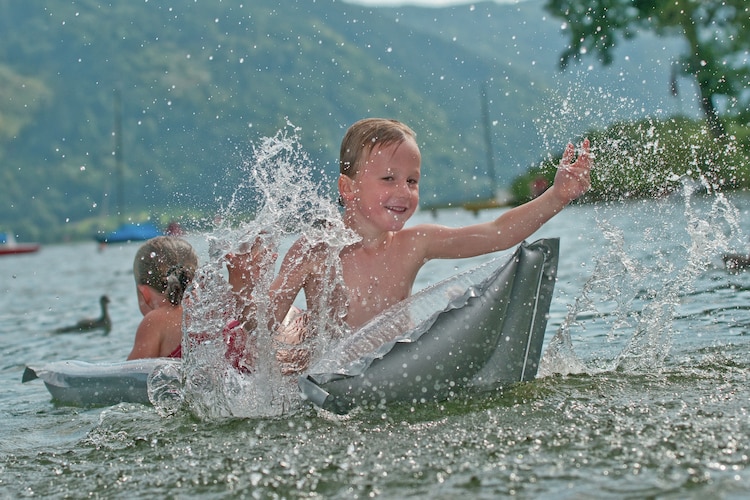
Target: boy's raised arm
(515, 225)
(572, 180)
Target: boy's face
(385, 189)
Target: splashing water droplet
(227, 372)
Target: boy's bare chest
(373, 283)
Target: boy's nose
(404, 188)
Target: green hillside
(201, 81)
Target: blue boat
(130, 232)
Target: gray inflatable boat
(483, 327)
(79, 383)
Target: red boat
(8, 245)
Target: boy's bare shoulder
(422, 231)
(417, 239)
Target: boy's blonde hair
(365, 135)
(167, 264)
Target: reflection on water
(674, 423)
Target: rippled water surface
(646, 395)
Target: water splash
(657, 158)
(280, 197)
(638, 299)
(709, 236)
(640, 152)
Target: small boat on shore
(9, 245)
(126, 231)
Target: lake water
(647, 397)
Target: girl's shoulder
(161, 315)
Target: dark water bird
(103, 322)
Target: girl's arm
(293, 274)
(244, 271)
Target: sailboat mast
(118, 155)
(488, 141)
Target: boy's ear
(146, 292)
(345, 187)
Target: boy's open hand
(574, 178)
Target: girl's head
(167, 264)
(364, 135)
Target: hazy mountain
(200, 82)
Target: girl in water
(163, 267)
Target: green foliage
(18, 93)
(648, 159)
(716, 32)
(200, 82)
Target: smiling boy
(378, 187)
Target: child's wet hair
(364, 135)
(166, 264)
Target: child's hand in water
(292, 332)
(246, 266)
(293, 361)
(574, 178)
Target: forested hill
(200, 81)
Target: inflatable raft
(480, 328)
(80, 383)
(483, 327)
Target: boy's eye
(413, 181)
